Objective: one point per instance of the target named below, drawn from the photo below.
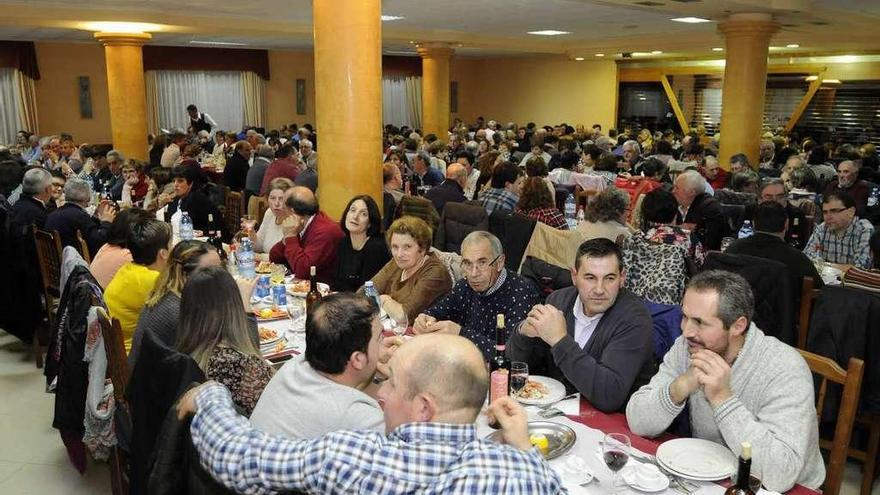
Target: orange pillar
(747, 38)
(348, 94)
(435, 88)
(125, 87)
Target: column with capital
(435, 88)
(125, 86)
(348, 94)
(747, 38)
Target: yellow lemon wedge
(540, 441)
(266, 312)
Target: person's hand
(292, 226)
(164, 199)
(528, 329)
(186, 405)
(387, 347)
(686, 384)
(132, 181)
(66, 170)
(421, 324)
(105, 212)
(513, 420)
(713, 374)
(689, 226)
(446, 326)
(246, 290)
(548, 322)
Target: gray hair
(482, 235)
(425, 157)
(472, 147)
(735, 298)
(265, 151)
(692, 180)
(710, 158)
(77, 191)
(798, 158)
(35, 181)
(305, 142)
(604, 143)
(635, 146)
(608, 206)
(115, 155)
(771, 181)
(261, 139)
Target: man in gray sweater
(595, 337)
(738, 384)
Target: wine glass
(519, 376)
(399, 324)
(615, 453)
(248, 222)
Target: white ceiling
(482, 27)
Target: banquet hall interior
(742, 95)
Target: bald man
(310, 239)
(452, 189)
(430, 401)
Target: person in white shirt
(537, 150)
(200, 121)
(171, 155)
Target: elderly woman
(136, 185)
(362, 252)
(271, 230)
(414, 278)
(536, 202)
(606, 216)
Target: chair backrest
(83, 247)
(48, 245)
(459, 220)
(117, 363)
(851, 379)
(234, 209)
(808, 295)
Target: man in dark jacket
(595, 337)
(204, 214)
(73, 217)
(697, 210)
(848, 181)
(452, 189)
(36, 191)
(235, 173)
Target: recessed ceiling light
(775, 48)
(656, 52)
(218, 43)
(690, 20)
(122, 27)
(718, 49)
(549, 32)
(792, 45)
(600, 54)
(579, 59)
(830, 81)
(811, 78)
(392, 17)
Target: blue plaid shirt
(851, 247)
(498, 198)
(425, 458)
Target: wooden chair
(233, 211)
(118, 373)
(808, 296)
(83, 248)
(48, 246)
(851, 379)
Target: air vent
(649, 3)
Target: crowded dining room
(603, 247)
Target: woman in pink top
(114, 254)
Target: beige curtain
(414, 97)
(152, 91)
(253, 98)
(27, 102)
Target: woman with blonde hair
(271, 230)
(162, 308)
(214, 330)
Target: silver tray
(560, 437)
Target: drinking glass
(399, 324)
(519, 376)
(615, 453)
(277, 273)
(295, 307)
(248, 222)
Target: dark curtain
(190, 58)
(20, 55)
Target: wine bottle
(795, 231)
(743, 474)
(314, 295)
(499, 367)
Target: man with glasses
(595, 337)
(486, 290)
(773, 189)
(842, 237)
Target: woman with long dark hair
(363, 251)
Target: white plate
(573, 470)
(323, 288)
(697, 459)
(628, 474)
(555, 388)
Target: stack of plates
(696, 459)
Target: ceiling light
(549, 32)
(579, 59)
(600, 54)
(830, 81)
(121, 27)
(811, 78)
(642, 98)
(218, 43)
(718, 49)
(392, 17)
(656, 52)
(690, 20)
(792, 45)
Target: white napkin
(571, 407)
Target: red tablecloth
(616, 423)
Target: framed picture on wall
(85, 97)
(300, 96)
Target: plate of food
(300, 288)
(551, 439)
(264, 267)
(541, 391)
(269, 314)
(268, 336)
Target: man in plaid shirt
(842, 237)
(506, 185)
(430, 400)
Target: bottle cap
(746, 451)
(500, 320)
(312, 270)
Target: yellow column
(125, 87)
(348, 94)
(435, 88)
(745, 77)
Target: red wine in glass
(615, 459)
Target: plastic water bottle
(570, 207)
(746, 230)
(186, 227)
(874, 198)
(580, 218)
(245, 257)
(371, 292)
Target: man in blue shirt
(425, 176)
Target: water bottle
(874, 198)
(746, 230)
(570, 207)
(580, 218)
(186, 227)
(245, 257)
(371, 292)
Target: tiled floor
(33, 460)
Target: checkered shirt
(849, 248)
(498, 198)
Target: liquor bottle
(795, 231)
(314, 295)
(499, 367)
(743, 474)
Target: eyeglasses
(833, 211)
(480, 265)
